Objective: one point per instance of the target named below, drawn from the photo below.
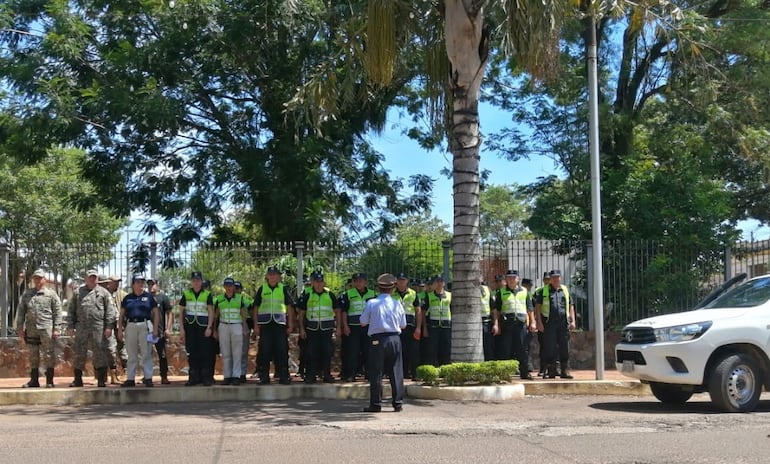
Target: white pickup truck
(722, 348)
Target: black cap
(238, 284)
(439, 278)
(554, 272)
(402, 276)
(359, 275)
(317, 276)
(511, 272)
(499, 278)
(526, 282)
(273, 270)
(196, 275)
(206, 284)
(228, 281)
(429, 280)
(546, 274)
(417, 282)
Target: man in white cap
(37, 322)
(384, 319)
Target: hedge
(484, 373)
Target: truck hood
(689, 317)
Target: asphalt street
(553, 429)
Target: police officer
(527, 284)
(196, 329)
(91, 317)
(438, 327)
(384, 318)
(164, 330)
(274, 316)
(319, 317)
(541, 346)
(513, 313)
(497, 283)
(117, 349)
(37, 322)
(487, 337)
(556, 316)
(302, 342)
(230, 310)
(139, 317)
(411, 334)
(247, 302)
(355, 345)
(426, 286)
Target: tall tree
(503, 211)
(182, 107)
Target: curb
(360, 391)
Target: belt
(485, 318)
(137, 321)
(223, 322)
(384, 334)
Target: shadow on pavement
(656, 407)
(298, 412)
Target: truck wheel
(667, 393)
(735, 383)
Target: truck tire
(735, 383)
(667, 393)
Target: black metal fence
(641, 278)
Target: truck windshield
(751, 293)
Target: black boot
(550, 372)
(163, 365)
(33, 379)
(101, 377)
(49, 377)
(78, 381)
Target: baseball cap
(91, 272)
(273, 270)
(136, 277)
(386, 280)
(402, 276)
(196, 275)
(102, 279)
(228, 281)
(317, 276)
(115, 278)
(359, 275)
(38, 273)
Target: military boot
(33, 379)
(78, 381)
(49, 377)
(114, 380)
(101, 377)
(163, 366)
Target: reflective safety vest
(196, 310)
(485, 308)
(357, 304)
(407, 302)
(320, 311)
(545, 307)
(230, 309)
(514, 303)
(439, 309)
(273, 306)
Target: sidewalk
(584, 383)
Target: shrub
(428, 374)
(485, 373)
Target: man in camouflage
(37, 321)
(116, 348)
(91, 317)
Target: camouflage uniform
(90, 313)
(116, 348)
(39, 315)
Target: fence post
(728, 263)
(4, 251)
(446, 245)
(299, 247)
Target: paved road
(552, 429)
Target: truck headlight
(682, 333)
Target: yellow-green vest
(545, 307)
(196, 310)
(273, 306)
(407, 302)
(514, 303)
(357, 302)
(439, 309)
(230, 310)
(485, 308)
(320, 311)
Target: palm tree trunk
(467, 47)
